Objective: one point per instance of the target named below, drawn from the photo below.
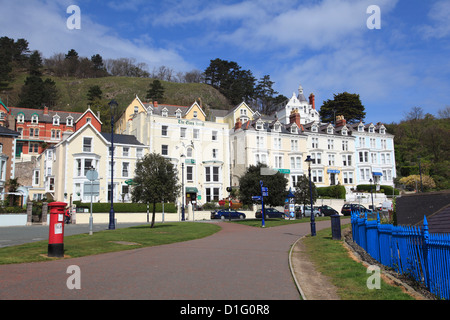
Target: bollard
(336, 227)
(56, 230)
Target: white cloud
(43, 24)
(439, 15)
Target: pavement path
(236, 263)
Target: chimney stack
(45, 110)
(238, 124)
(295, 117)
(155, 104)
(340, 121)
(312, 100)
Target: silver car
(307, 211)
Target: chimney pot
(312, 100)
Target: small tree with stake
(155, 180)
(302, 192)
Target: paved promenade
(237, 263)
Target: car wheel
(241, 217)
(222, 217)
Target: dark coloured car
(348, 208)
(226, 213)
(327, 211)
(270, 213)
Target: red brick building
(41, 128)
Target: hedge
(335, 192)
(126, 207)
(387, 190)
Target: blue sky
(324, 45)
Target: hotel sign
(191, 123)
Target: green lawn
(107, 241)
(350, 277)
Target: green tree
(6, 58)
(13, 186)
(156, 91)
(346, 104)
(155, 180)
(228, 77)
(35, 64)
(94, 93)
(72, 62)
(302, 193)
(265, 94)
(249, 185)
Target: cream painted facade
(67, 164)
(199, 149)
(281, 147)
(333, 152)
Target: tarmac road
(237, 263)
(12, 236)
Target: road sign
(265, 194)
(91, 188)
(284, 171)
(129, 182)
(256, 198)
(264, 189)
(92, 175)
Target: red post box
(56, 230)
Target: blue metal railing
(408, 250)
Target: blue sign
(265, 194)
(333, 171)
(256, 198)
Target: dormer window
(277, 127)
(35, 119)
(178, 114)
(20, 118)
(371, 129)
(330, 130)
(314, 128)
(361, 128)
(259, 125)
(383, 130)
(165, 112)
(56, 120)
(344, 132)
(294, 129)
(69, 121)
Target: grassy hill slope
(73, 92)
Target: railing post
(426, 256)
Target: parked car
(299, 211)
(270, 213)
(226, 213)
(327, 211)
(348, 208)
(307, 211)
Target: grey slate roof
(45, 118)
(8, 132)
(122, 139)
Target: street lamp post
(420, 172)
(182, 189)
(112, 105)
(313, 219)
(371, 193)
